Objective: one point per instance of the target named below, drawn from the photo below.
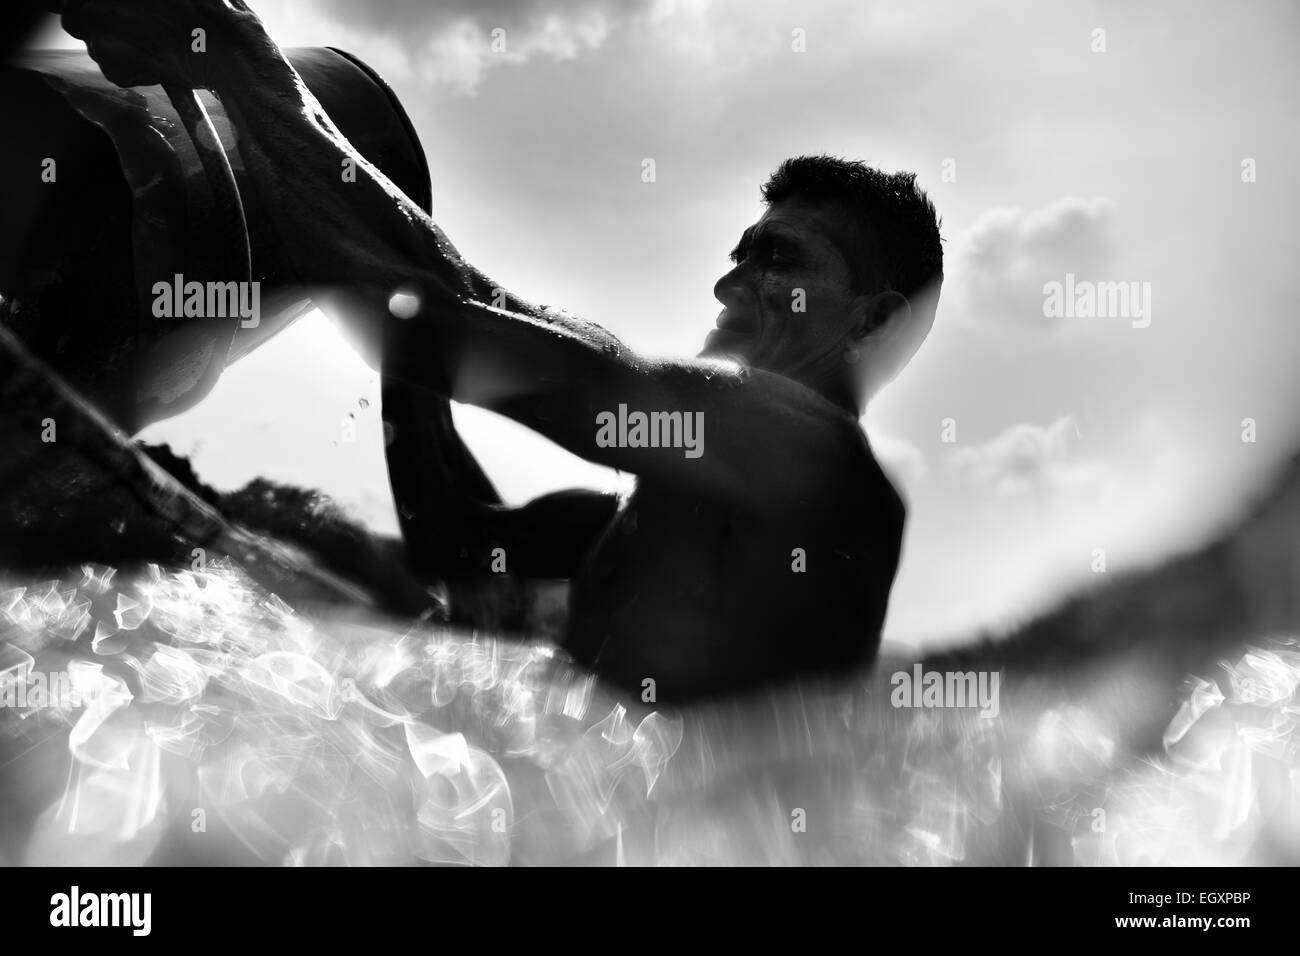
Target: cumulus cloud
(1028, 458)
(453, 43)
(1003, 260)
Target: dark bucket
(102, 193)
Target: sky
(1148, 143)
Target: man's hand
(185, 43)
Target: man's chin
(725, 344)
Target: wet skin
(698, 592)
(695, 583)
(699, 596)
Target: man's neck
(839, 395)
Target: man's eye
(762, 253)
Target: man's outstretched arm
(764, 437)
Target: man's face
(791, 257)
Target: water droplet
(404, 303)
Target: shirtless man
(769, 554)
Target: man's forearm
(362, 238)
(296, 155)
(360, 231)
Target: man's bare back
(698, 597)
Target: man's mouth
(734, 335)
(736, 324)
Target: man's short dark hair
(897, 228)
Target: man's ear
(873, 312)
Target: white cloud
(1003, 260)
(1028, 458)
(453, 44)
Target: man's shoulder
(785, 442)
(865, 480)
(845, 481)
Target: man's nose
(731, 287)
